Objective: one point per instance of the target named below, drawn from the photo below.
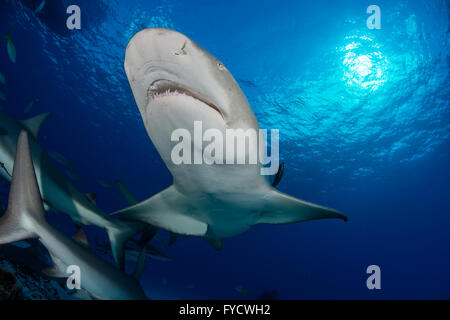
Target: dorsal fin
(33, 124)
(81, 237)
(24, 198)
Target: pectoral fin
(281, 209)
(168, 210)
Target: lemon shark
(175, 82)
(25, 219)
(56, 190)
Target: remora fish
(58, 157)
(25, 219)
(104, 184)
(29, 105)
(174, 88)
(40, 7)
(10, 47)
(129, 197)
(56, 190)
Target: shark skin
(25, 219)
(56, 190)
(176, 82)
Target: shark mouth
(164, 88)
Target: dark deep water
(364, 121)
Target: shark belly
(200, 173)
(218, 194)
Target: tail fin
(119, 237)
(281, 208)
(25, 209)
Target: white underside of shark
(175, 82)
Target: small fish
(131, 200)
(2, 96)
(29, 105)
(104, 184)
(60, 159)
(242, 290)
(10, 47)
(2, 78)
(40, 7)
(74, 177)
(190, 286)
(163, 280)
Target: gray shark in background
(176, 82)
(25, 219)
(56, 190)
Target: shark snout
(153, 46)
(157, 60)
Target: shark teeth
(166, 88)
(152, 95)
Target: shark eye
(220, 66)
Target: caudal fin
(25, 211)
(119, 237)
(282, 208)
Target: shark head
(176, 84)
(162, 63)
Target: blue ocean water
(364, 122)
